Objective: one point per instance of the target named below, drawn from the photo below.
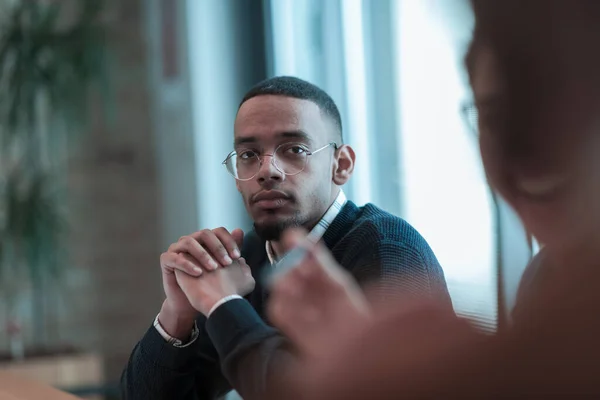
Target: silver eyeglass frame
(262, 156)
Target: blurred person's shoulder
(552, 350)
(560, 302)
(535, 274)
(551, 284)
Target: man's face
(274, 200)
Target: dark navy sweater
(238, 349)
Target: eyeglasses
(288, 158)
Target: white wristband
(174, 341)
(223, 301)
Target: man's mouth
(271, 199)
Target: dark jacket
(238, 349)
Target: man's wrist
(223, 301)
(174, 341)
(174, 324)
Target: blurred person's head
(533, 68)
(289, 154)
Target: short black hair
(297, 88)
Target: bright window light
(445, 193)
(356, 92)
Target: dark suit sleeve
(253, 354)
(245, 353)
(157, 370)
(399, 270)
(256, 358)
(226, 355)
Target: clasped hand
(202, 268)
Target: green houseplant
(51, 55)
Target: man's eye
(247, 154)
(296, 149)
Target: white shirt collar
(319, 230)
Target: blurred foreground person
(534, 73)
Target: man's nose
(268, 171)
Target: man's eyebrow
(244, 140)
(298, 134)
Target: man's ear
(344, 165)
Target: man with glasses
(289, 163)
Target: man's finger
(293, 238)
(244, 266)
(277, 310)
(181, 262)
(292, 260)
(317, 266)
(327, 278)
(188, 284)
(238, 236)
(229, 242)
(216, 246)
(182, 275)
(285, 295)
(207, 238)
(188, 244)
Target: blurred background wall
(153, 173)
(111, 290)
(115, 205)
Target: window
(395, 70)
(445, 194)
